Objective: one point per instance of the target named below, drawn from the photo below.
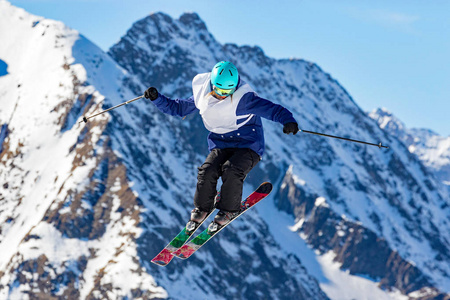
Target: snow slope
(47, 160)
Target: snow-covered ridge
(48, 169)
(432, 149)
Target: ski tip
(264, 188)
(159, 263)
(163, 258)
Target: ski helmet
(224, 78)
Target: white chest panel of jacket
(219, 116)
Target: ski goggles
(223, 92)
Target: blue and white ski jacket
(234, 122)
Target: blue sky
(393, 54)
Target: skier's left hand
(151, 93)
(291, 127)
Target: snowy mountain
(68, 217)
(432, 149)
(84, 207)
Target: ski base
(166, 255)
(190, 248)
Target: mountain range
(84, 207)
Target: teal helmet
(224, 78)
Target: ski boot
(197, 217)
(221, 219)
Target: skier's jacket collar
(219, 115)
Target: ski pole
(342, 138)
(114, 107)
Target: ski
(190, 248)
(166, 255)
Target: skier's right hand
(151, 93)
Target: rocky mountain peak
(431, 148)
(192, 20)
(386, 120)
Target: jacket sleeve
(253, 104)
(177, 107)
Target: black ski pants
(233, 164)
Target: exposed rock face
(357, 248)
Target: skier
(231, 110)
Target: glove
(151, 93)
(291, 127)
